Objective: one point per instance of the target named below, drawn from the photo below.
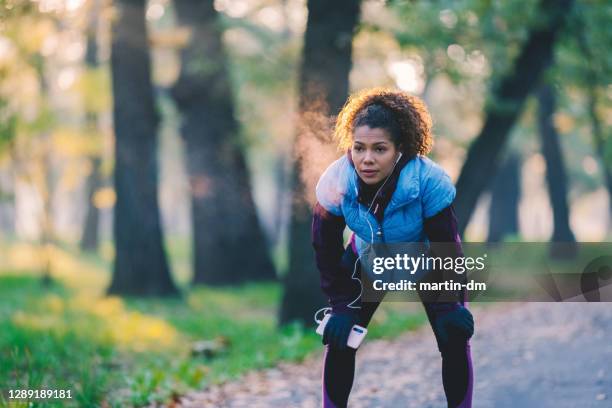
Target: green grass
(60, 349)
(133, 352)
(119, 352)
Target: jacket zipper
(380, 234)
(379, 230)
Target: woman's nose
(368, 157)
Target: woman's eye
(381, 149)
(358, 148)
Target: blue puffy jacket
(423, 189)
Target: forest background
(158, 161)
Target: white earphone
(398, 158)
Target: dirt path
(533, 355)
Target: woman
(385, 190)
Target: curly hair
(404, 116)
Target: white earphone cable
(328, 309)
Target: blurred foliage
(50, 103)
(264, 47)
(135, 352)
(94, 87)
(473, 43)
(452, 37)
(451, 52)
(585, 69)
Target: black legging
(457, 372)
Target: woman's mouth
(369, 173)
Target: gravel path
(530, 355)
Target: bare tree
(229, 244)
(140, 266)
(89, 237)
(600, 140)
(505, 196)
(324, 85)
(556, 177)
(508, 98)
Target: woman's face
(374, 154)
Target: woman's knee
(455, 347)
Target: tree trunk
(282, 164)
(47, 237)
(281, 198)
(324, 84)
(505, 196)
(229, 244)
(7, 203)
(555, 172)
(45, 186)
(600, 148)
(140, 266)
(508, 100)
(599, 138)
(89, 236)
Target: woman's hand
(459, 321)
(338, 329)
